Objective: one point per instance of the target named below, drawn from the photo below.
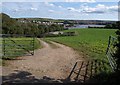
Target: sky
(64, 9)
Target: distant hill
(98, 22)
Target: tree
(108, 26)
(5, 23)
(14, 26)
(67, 22)
(46, 29)
(41, 29)
(112, 26)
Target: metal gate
(94, 70)
(111, 49)
(17, 45)
(87, 71)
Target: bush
(117, 54)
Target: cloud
(48, 4)
(61, 10)
(19, 7)
(51, 11)
(52, 5)
(0, 5)
(16, 10)
(73, 9)
(113, 8)
(55, 12)
(100, 8)
(60, 1)
(60, 6)
(91, 1)
(33, 9)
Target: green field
(91, 42)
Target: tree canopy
(14, 26)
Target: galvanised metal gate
(111, 49)
(95, 70)
(17, 45)
(88, 71)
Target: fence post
(33, 44)
(3, 45)
(108, 44)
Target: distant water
(85, 26)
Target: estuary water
(85, 26)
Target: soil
(48, 61)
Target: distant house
(96, 26)
(56, 33)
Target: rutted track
(52, 62)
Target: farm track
(47, 62)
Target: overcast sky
(67, 9)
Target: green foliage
(14, 26)
(117, 54)
(112, 26)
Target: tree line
(13, 26)
(112, 26)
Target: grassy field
(91, 42)
(13, 47)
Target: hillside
(101, 22)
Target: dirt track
(52, 62)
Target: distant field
(92, 42)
